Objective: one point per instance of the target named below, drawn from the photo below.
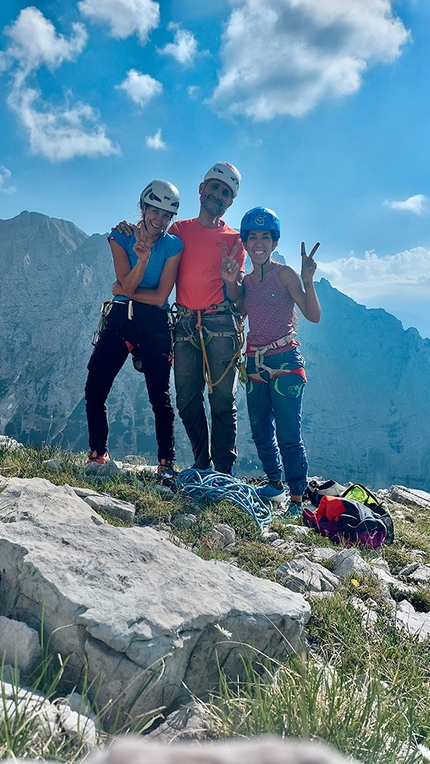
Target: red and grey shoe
(166, 470)
(95, 458)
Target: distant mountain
(366, 408)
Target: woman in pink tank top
(275, 367)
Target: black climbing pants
(147, 336)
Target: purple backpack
(346, 520)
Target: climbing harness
(216, 486)
(181, 312)
(260, 366)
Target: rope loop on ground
(216, 486)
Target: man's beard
(212, 205)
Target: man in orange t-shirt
(207, 284)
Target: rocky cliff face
(366, 406)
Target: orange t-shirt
(198, 283)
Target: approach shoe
(268, 492)
(166, 472)
(95, 458)
(294, 509)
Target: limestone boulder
(129, 607)
(412, 496)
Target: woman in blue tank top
(136, 322)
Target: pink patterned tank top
(270, 308)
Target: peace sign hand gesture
(309, 265)
(229, 267)
(144, 242)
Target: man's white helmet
(161, 194)
(226, 172)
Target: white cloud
(57, 133)
(63, 133)
(405, 275)
(124, 17)
(418, 205)
(155, 141)
(5, 175)
(193, 91)
(140, 87)
(34, 41)
(184, 47)
(285, 56)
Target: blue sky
(323, 105)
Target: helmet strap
(261, 269)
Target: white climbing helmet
(161, 194)
(226, 172)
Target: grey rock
(122, 510)
(185, 521)
(369, 615)
(11, 675)
(189, 722)
(421, 575)
(128, 604)
(76, 726)
(387, 580)
(322, 553)
(84, 492)
(268, 535)
(103, 470)
(53, 464)
(299, 530)
(350, 561)
(415, 623)
(411, 496)
(303, 575)
(10, 444)
(408, 569)
(19, 645)
(222, 536)
(135, 460)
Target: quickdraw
(105, 309)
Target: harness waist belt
(273, 345)
(221, 307)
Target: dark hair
(244, 237)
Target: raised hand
(309, 265)
(144, 242)
(229, 267)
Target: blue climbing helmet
(260, 219)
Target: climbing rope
(215, 486)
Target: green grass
(364, 690)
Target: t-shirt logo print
(260, 219)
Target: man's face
(215, 197)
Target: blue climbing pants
(274, 408)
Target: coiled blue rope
(215, 486)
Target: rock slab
(129, 606)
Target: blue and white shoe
(268, 492)
(294, 509)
